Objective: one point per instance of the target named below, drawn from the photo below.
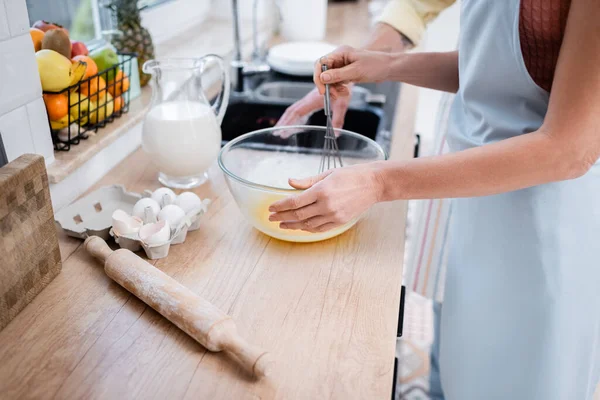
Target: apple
(104, 59)
(78, 49)
(46, 26)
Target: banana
(61, 123)
(77, 72)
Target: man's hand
(383, 38)
(300, 111)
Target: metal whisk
(331, 155)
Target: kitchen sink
(290, 92)
(268, 95)
(250, 115)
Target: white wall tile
(19, 78)
(40, 131)
(18, 18)
(16, 133)
(4, 31)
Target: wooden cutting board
(29, 252)
(3, 158)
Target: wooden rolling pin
(194, 315)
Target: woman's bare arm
(386, 38)
(565, 147)
(437, 71)
(431, 70)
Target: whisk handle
(327, 107)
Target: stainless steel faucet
(237, 64)
(240, 69)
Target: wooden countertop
(327, 311)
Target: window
(86, 20)
(80, 17)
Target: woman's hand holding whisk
(347, 65)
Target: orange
(92, 68)
(36, 36)
(57, 106)
(93, 88)
(118, 103)
(119, 85)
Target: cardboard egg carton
(92, 215)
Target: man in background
(400, 28)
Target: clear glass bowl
(257, 167)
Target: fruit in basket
(95, 89)
(56, 71)
(57, 105)
(92, 68)
(36, 36)
(79, 108)
(118, 103)
(46, 26)
(79, 69)
(106, 58)
(78, 49)
(61, 123)
(43, 25)
(135, 38)
(119, 85)
(58, 41)
(102, 109)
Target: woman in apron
(521, 315)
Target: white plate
(297, 58)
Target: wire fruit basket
(92, 103)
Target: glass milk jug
(182, 130)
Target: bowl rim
(240, 138)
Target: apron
(427, 226)
(521, 315)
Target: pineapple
(135, 38)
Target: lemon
(102, 109)
(79, 108)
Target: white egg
(156, 233)
(164, 196)
(188, 201)
(173, 214)
(139, 209)
(125, 224)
